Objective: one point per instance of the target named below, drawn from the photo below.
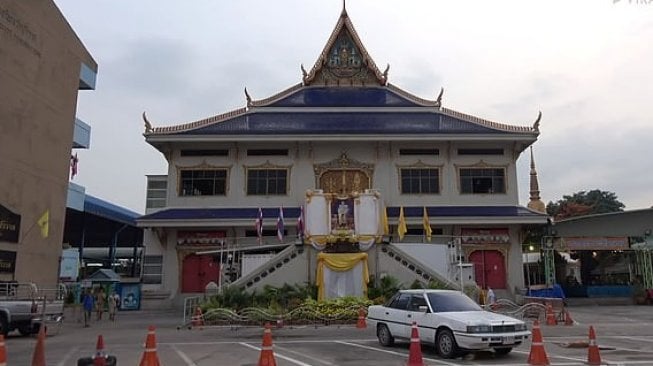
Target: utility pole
(549, 261)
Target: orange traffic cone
(538, 356)
(361, 319)
(267, 356)
(198, 318)
(38, 359)
(150, 357)
(593, 355)
(100, 358)
(550, 316)
(3, 351)
(568, 319)
(415, 351)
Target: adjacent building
(343, 129)
(43, 65)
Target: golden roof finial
(535, 203)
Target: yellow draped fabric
(401, 227)
(384, 222)
(340, 262)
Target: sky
(587, 65)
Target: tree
(585, 203)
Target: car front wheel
(445, 344)
(385, 337)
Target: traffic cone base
(3, 351)
(150, 358)
(537, 356)
(100, 358)
(361, 319)
(415, 351)
(267, 355)
(550, 316)
(198, 318)
(593, 354)
(38, 358)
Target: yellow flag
(384, 222)
(401, 228)
(427, 225)
(44, 223)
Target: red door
(197, 272)
(489, 268)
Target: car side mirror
(423, 308)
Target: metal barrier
(527, 311)
(252, 316)
(190, 304)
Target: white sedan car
(450, 320)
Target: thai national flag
(300, 223)
(73, 165)
(259, 225)
(280, 225)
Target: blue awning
(293, 212)
(107, 210)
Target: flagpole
(460, 264)
(221, 270)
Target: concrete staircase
(286, 267)
(396, 262)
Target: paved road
(625, 334)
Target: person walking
(100, 303)
(88, 303)
(491, 297)
(114, 302)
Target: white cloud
(585, 64)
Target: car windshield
(443, 302)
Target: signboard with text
(69, 268)
(596, 243)
(7, 261)
(9, 225)
(200, 237)
(485, 236)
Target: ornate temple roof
(344, 60)
(343, 93)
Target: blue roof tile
(107, 210)
(344, 97)
(296, 123)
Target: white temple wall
(383, 155)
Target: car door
(396, 314)
(421, 317)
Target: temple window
(267, 152)
(482, 180)
(419, 152)
(480, 151)
(157, 191)
(196, 182)
(152, 269)
(420, 180)
(220, 152)
(267, 181)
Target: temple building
(342, 167)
